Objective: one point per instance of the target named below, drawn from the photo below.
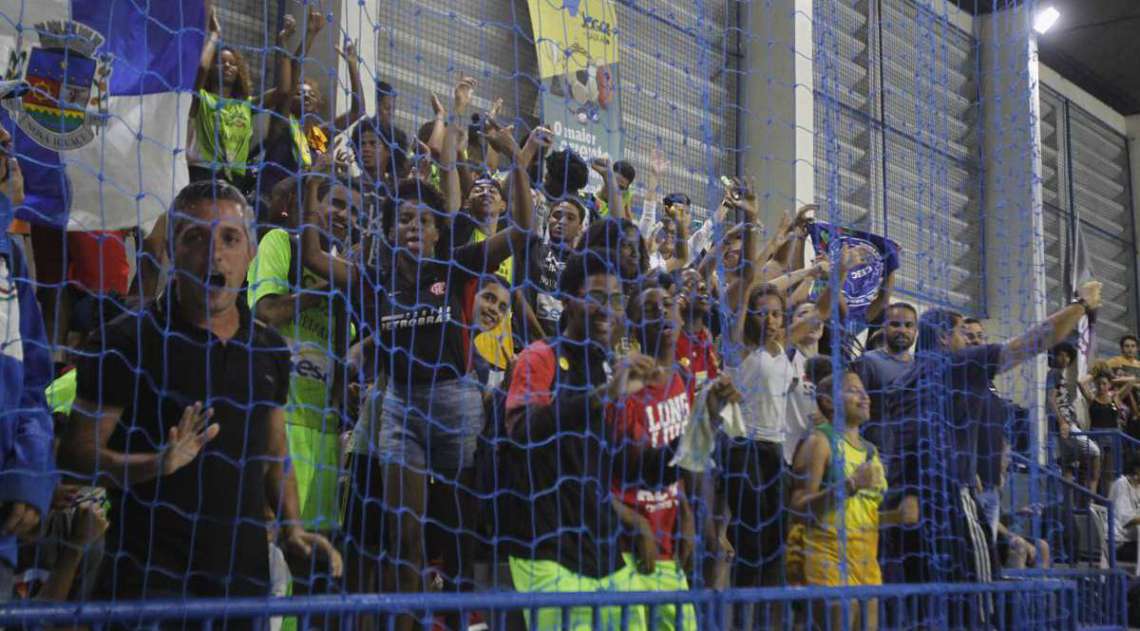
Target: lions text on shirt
(653, 419)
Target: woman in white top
(754, 464)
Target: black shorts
(363, 512)
(753, 474)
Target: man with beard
(880, 368)
(936, 411)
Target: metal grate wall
(1085, 174)
(1055, 195)
(251, 27)
(677, 71)
(896, 142)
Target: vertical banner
(1080, 271)
(577, 47)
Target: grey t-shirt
(878, 370)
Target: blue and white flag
(101, 133)
(880, 257)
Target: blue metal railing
(1066, 499)
(1032, 603)
(1102, 595)
(1119, 444)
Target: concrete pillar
(1132, 130)
(359, 23)
(777, 122)
(1011, 192)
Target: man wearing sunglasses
(294, 301)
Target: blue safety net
(556, 314)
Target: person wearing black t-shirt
(622, 237)
(181, 408)
(564, 531)
(936, 411)
(421, 291)
(545, 262)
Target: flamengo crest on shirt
(68, 97)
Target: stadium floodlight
(1045, 19)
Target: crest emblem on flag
(67, 97)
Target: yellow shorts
(821, 560)
(794, 555)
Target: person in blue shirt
(27, 466)
(936, 415)
(880, 368)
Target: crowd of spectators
(350, 362)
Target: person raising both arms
(298, 135)
(221, 115)
(417, 301)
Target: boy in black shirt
(562, 464)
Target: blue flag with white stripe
(101, 131)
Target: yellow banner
(573, 35)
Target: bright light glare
(1045, 20)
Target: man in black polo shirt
(179, 410)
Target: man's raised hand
(288, 27)
(658, 162)
(348, 52)
(501, 139)
(437, 107)
(316, 22)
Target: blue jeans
(431, 428)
